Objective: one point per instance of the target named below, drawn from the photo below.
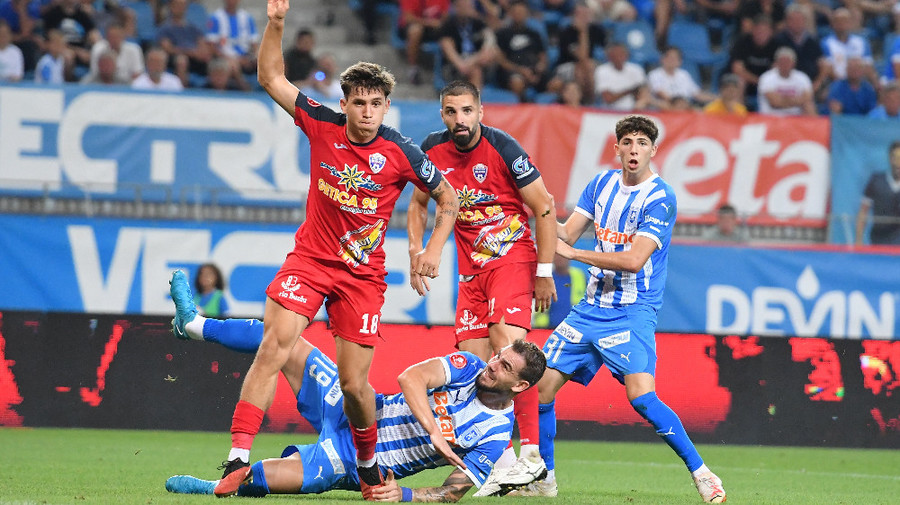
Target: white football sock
(241, 454)
(700, 471)
(507, 459)
(194, 329)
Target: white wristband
(544, 270)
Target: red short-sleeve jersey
(353, 187)
(492, 227)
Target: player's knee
(354, 387)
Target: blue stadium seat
(638, 37)
(493, 94)
(693, 40)
(145, 21)
(196, 15)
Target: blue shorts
(621, 338)
(330, 463)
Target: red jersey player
(500, 271)
(358, 167)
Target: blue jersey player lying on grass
(458, 400)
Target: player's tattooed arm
(454, 488)
(445, 209)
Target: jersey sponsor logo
(657, 221)
(569, 333)
(494, 241)
(614, 340)
(443, 417)
(470, 197)
(427, 169)
(521, 167)
(312, 103)
(359, 244)
(480, 172)
(458, 361)
(349, 203)
(377, 162)
(612, 236)
(352, 178)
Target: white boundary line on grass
(740, 469)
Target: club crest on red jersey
(312, 103)
(480, 172)
(377, 162)
(458, 361)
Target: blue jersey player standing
(633, 212)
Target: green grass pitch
(77, 466)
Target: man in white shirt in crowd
(156, 77)
(783, 90)
(12, 63)
(620, 83)
(129, 58)
(669, 81)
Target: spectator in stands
(669, 82)
(156, 77)
(890, 102)
(54, 65)
(728, 227)
(232, 31)
(853, 95)
(129, 58)
(467, 44)
(881, 197)
(719, 18)
(420, 22)
(106, 71)
(620, 83)
(184, 42)
(842, 44)
(325, 79)
(784, 90)
(578, 41)
(299, 60)
(24, 19)
(521, 54)
(570, 95)
(663, 13)
(730, 99)
(219, 77)
(12, 63)
(748, 10)
(753, 54)
(209, 286)
(75, 21)
(798, 35)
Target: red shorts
(353, 303)
(505, 292)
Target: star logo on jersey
(353, 178)
(480, 172)
(469, 197)
(377, 162)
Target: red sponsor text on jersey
(444, 420)
(612, 236)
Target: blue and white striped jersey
(235, 33)
(620, 213)
(477, 434)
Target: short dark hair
(535, 361)
(459, 88)
(366, 76)
(727, 208)
(637, 124)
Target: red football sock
(526, 411)
(245, 424)
(365, 439)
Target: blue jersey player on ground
(632, 211)
(458, 399)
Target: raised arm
(427, 261)
(540, 201)
(270, 62)
(416, 220)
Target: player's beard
(462, 142)
(487, 389)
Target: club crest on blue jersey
(632, 216)
(377, 162)
(480, 172)
(353, 178)
(521, 167)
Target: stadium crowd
(727, 56)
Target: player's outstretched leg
(185, 310)
(669, 427)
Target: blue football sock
(257, 487)
(547, 427)
(241, 335)
(669, 427)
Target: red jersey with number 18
(492, 227)
(354, 187)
